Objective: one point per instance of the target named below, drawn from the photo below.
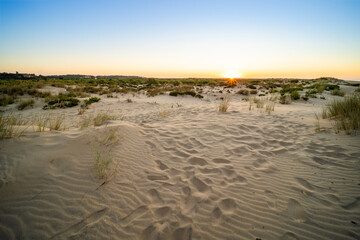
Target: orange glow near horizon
(232, 74)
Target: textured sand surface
(186, 171)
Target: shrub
(91, 100)
(244, 92)
(251, 87)
(61, 101)
(24, 104)
(305, 98)
(253, 91)
(295, 95)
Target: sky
(182, 38)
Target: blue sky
(259, 38)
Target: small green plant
(295, 95)
(305, 98)
(24, 104)
(61, 101)
(224, 104)
(91, 100)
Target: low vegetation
(345, 113)
(6, 100)
(224, 104)
(12, 125)
(61, 101)
(97, 120)
(25, 103)
(104, 162)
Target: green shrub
(91, 100)
(61, 101)
(24, 104)
(305, 98)
(295, 95)
(191, 93)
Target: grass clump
(338, 92)
(61, 101)
(295, 95)
(99, 119)
(225, 104)
(6, 100)
(104, 163)
(245, 92)
(57, 123)
(191, 93)
(91, 100)
(11, 126)
(345, 113)
(285, 99)
(24, 104)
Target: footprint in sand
(138, 212)
(216, 216)
(296, 211)
(227, 205)
(161, 165)
(162, 213)
(197, 161)
(154, 196)
(199, 184)
(264, 166)
(221, 161)
(157, 177)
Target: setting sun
(232, 74)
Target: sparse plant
(224, 104)
(269, 107)
(345, 113)
(104, 163)
(338, 92)
(6, 100)
(12, 126)
(164, 113)
(24, 104)
(57, 122)
(41, 121)
(285, 99)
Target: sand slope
(194, 174)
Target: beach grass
(345, 113)
(224, 104)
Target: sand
(184, 171)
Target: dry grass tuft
(225, 104)
(345, 113)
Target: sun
(232, 74)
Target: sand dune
(195, 173)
